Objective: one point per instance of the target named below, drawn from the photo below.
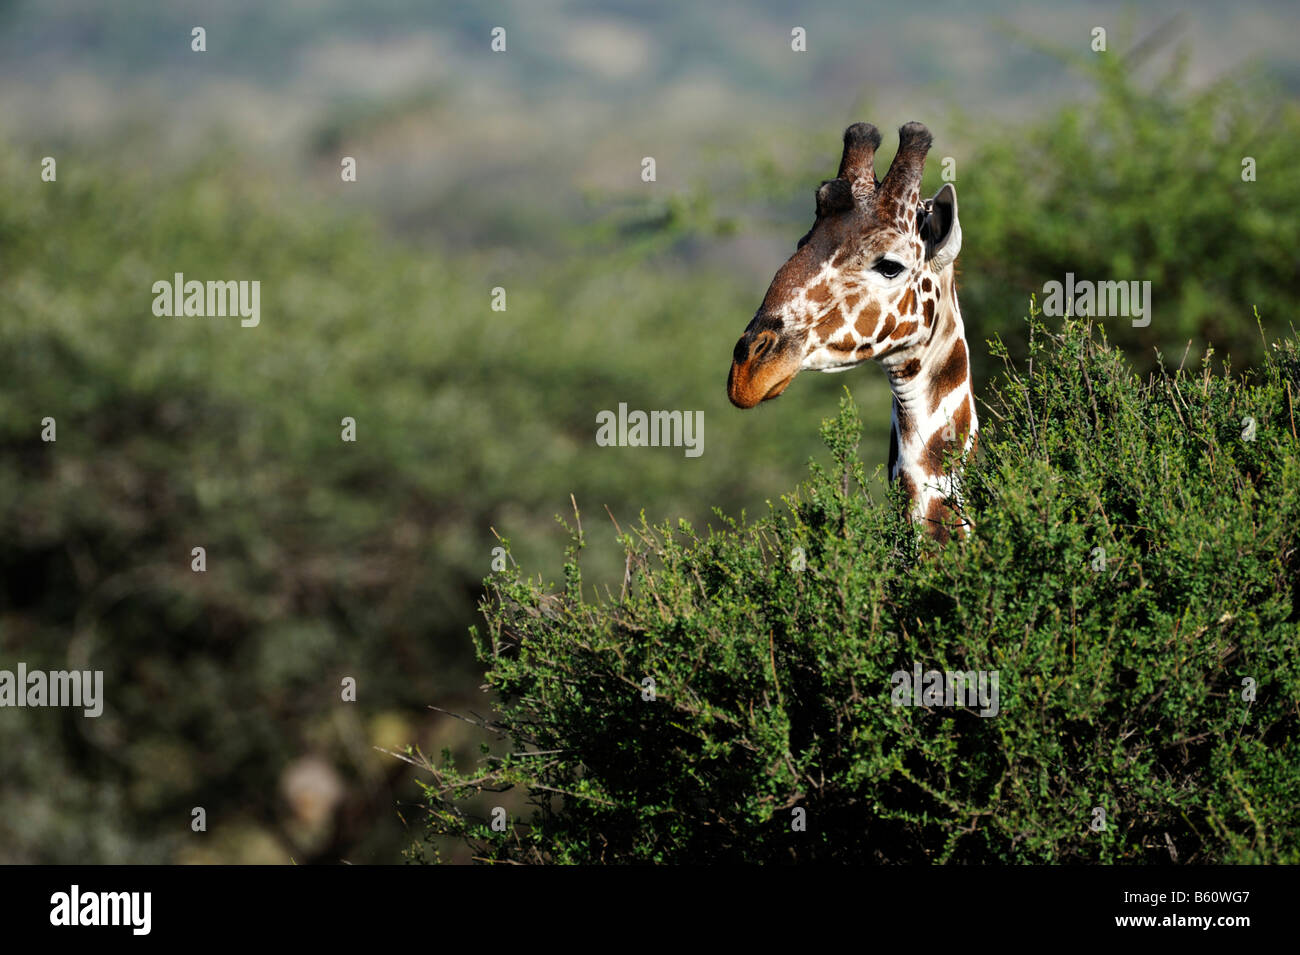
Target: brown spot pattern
(938, 516)
(891, 322)
(961, 421)
(866, 323)
(907, 302)
(951, 373)
(935, 449)
(909, 369)
(831, 320)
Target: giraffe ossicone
(874, 280)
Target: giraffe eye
(889, 268)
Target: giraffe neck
(933, 415)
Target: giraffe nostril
(761, 345)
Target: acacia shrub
(1132, 579)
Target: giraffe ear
(834, 195)
(941, 230)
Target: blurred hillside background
(477, 170)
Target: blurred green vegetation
(1141, 181)
(324, 559)
(1132, 582)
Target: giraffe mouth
(762, 367)
(779, 387)
(747, 389)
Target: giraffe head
(867, 279)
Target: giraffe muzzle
(762, 366)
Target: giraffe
(874, 280)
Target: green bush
(1139, 181)
(1135, 561)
